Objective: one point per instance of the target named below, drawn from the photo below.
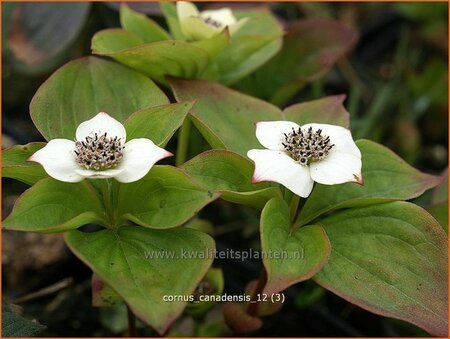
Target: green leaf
(115, 40)
(390, 259)
(328, 110)
(292, 254)
(310, 49)
(144, 27)
(157, 123)
(156, 60)
(16, 166)
(214, 45)
(52, 206)
(440, 212)
(84, 87)
(226, 118)
(215, 58)
(102, 294)
(144, 265)
(201, 225)
(166, 197)
(386, 178)
(258, 40)
(170, 13)
(229, 174)
(439, 202)
(16, 326)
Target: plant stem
(287, 195)
(253, 307)
(131, 323)
(294, 206)
(183, 142)
(108, 193)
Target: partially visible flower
(297, 156)
(99, 151)
(197, 25)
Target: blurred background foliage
(396, 81)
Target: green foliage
(386, 177)
(156, 60)
(230, 175)
(310, 49)
(157, 123)
(252, 46)
(54, 206)
(438, 206)
(212, 284)
(84, 87)
(144, 46)
(291, 254)
(15, 325)
(122, 259)
(102, 294)
(137, 23)
(361, 242)
(166, 197)
(390, 259)
(226, 118)
(16, 166)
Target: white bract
(99, 151)
(197, 25)
(297, 156)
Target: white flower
(297, 156)
(197, 25)
(99, 151)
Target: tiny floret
(307, 146)
(296, 156)
(99, 151)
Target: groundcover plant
(335, 210)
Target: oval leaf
(84, 87)
(166, 197)
(170, 13)
(157, 123)
(156, 60)
(257, 41)
(144, 265)
(54, 206)
(144, 27)
(16, 166)
(328, 110)
(230, 174)
(291, 255)
(386, 177)
(225, 118)
(390, 259)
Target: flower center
(99, 152)
(307, 146)
(210, 21)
